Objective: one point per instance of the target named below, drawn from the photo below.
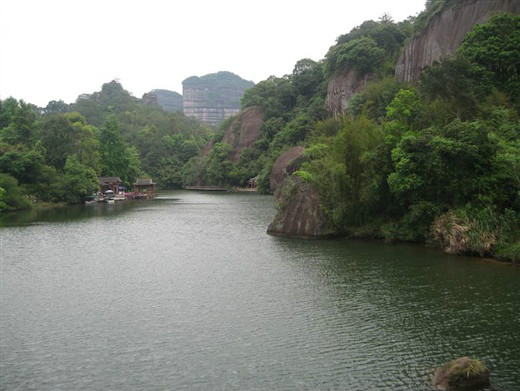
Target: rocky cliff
(444, 33)
(299, 203)
(287, 163)
(341, 88)
(214, 97)
(150, 99)
(300, 213)
(244, 131)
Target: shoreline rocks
(462, 373)
(300, 213)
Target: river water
(189, 292)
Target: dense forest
(55, 154)
(419, 162)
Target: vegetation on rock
(444, 155)
(463, 373)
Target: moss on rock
(462, 374)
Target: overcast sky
(59, 49)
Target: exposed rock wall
(444, 34)
(150, 99)
(287, 163)
(341, 88)
(300, 214)
(207, 115)
(244, 131)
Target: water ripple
(189, 293)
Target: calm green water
(187, 292)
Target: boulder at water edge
(462, 374)
(300, 214)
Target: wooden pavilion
(109, 183)
(144, 188)
(253, 182)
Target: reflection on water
(63, 213)
(188, 292)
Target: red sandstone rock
(300, 213)
(341, 88)
(445, 32)
(284, 166)
(244, 131)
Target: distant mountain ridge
(211, 98)
(169, 101)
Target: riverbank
(507, 254)
(485, 232)
(40, 205)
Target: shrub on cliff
(478, 231)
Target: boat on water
(108, 197)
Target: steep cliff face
(445, 32)
(287, 163)
(299, 203)
(214, 97)
(341, 88)
(244, 131)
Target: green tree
(63, 135)
(13, 196)
(7, 109)
(216, 166)
(493, 49)
(3, 205)
(402, 113)
(363, 54)
(276, 95)
(54, 107)
(21, 127)
(21, 162)
(452, 81)
(293, 132)
(79, 180)
(307, 77)
(116, 158)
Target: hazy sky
(58, 49)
